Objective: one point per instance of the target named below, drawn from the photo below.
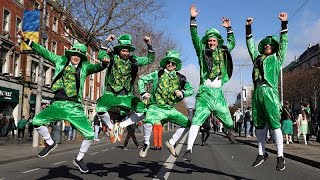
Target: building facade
(19, 70)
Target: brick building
(19, 69)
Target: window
(47, 19)
(36, 5)
(18, 24)
(4, 62)
(54, 47)
(17, 70)
(21, 1)
(34, 71)
(65, 49)
(55, 24)
(45, 43)
(6, 20)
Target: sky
(304, 28)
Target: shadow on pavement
(60, 172)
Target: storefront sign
(9, 95)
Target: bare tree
(103, 17)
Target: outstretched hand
(111, 37)
(147, 39)
(249, 21)
(193, 11)
(283, 16)
(20, 33)
(225, 22)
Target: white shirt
(237, 115)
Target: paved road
(218, 160)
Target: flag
(30, 27)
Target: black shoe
(46, 150)
(187, 155)
(260, 159)
(231, 137)
(81, 165)
(280, 164)
(202, 144)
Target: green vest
(67, 81)
(120, 75)
(165, 92)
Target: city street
(218, 160)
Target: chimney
(309, 45)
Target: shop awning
(9, 95)
(44, 100)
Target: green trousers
(211, 100)
(69, 111)
(266, 107)
(165, 113)
(125, 102)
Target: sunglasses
(171, 62)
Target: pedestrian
(287, 124)
(267, 61)
(296, 126)
(168, 88)
(30, 125)
(96, 124)
(247, 121)
(2, 119)
(157, 136)
(11, 126)
(68, 130)
(21, 127)
(304, 130)
(215, 70)
(131, 134)
(205, 130)
(238, 119)
(308, 115)
(119, 80)
(71, 71)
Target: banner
(30, 27)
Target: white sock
(261, 138)
(106, 119)
(305, 139)
(44, 132)
(135, 117)
(193, 132)
(147, 130)
(84, 148)
(176, 136)
(278, 138)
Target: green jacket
(272, 63)
(136, 62)
(61, 62)
(22, 124)
(153, 78)
(200, 50)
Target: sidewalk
(307, 154)
(14, 150)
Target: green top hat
(125, 42)
(272, 40)
(212, 32)
(78, 49)
(174, 56)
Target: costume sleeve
(94, 68)
(43, 52)
(194, 36)
(230, 38)
(149, 78)
(142, 61)
(283, 45)
(188, 90)
(253, 52)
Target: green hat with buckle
(272, 40)
(79, 50)
(173, 56)
(212, 32)
(125, 42)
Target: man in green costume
(215, 69)
(119, 80)
(168, 88)
(70, 74)
(266, 107)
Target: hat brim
(69, 53)
(215, 35)
(130, 48)
(265, 42)
(164, 61)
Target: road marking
(113, 147)
(94, 153)
(105, 150)
(59, 162)
(2, 179)
(30, 170)
(164, 172)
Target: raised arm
(43, 52)
(253, 52)
(283, 45)
(231, 43)
(193, 29)
(150, 58)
